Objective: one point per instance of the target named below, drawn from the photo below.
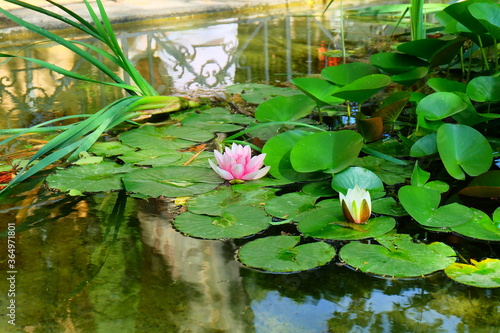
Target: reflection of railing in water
(209, 57)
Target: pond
(111, 262)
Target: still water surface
(113, 263)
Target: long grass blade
(68, 73)
(69, 45)
(83, 26)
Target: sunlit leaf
(361, 177)
(236, 221)
(284, 108)
(171, 181)
(481, 274)
(398, 256)
(328, 151)
(463, 150)
(348, 73)
(285, 254)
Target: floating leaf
(363, 88)
(484, 89)
(481, 274)
(216, 116)
(396, 63)
(103, 177)
(388, 206)
(236, 221)
(289, 205)
(318, 89)
(284, 108)
(422, 204)
(151, 157)
(216, 201)
(345, 74)
(278, 151)
(440, 105)
(424, 146)
(112, 148)
(329, 223)
(171, 181)
(463, 150)
(362, 177)
(480, 226)
(283, 254)
(398, 256)
(258, 93)
(445, 85)
(328, 151)
(149, 137)
(410, 77)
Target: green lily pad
(283, 254)
(102, 177)
(171, 181)
(278, 151)
(170, 137)
(318, 89)
(463, 150)
(481, 274)
(480, 226)
(329, 223)
(151, 157)
(288, 206)
(388, 206)
(321, 188)
(282, 108)
(216, 117)
(328, 151)
(236, 221)
(362, 177)
(398, 256)
(389, 172)
(216, 201)
(258, 93)
(423, 205)
(112, 148)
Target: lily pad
(284, 108)
(329, 223)
(362, 177)
(151, 157)
(258, 93)
(423, 205)
(168, 137)
(481, 274)
(283, 254)
(388, 206)
(105, 176)
(236, 221)
(171, 181)
(288, 206)
(328, 151)
(480, 226)
(216, 201)
(112, 148)
(398, 256)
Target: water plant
(400, 146)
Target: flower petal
(257, 174)
(223, 173)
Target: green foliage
(284, 254)
(397, 255)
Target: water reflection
(111, 263)
(175, 59)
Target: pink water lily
(356, 205)
(237, 164)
